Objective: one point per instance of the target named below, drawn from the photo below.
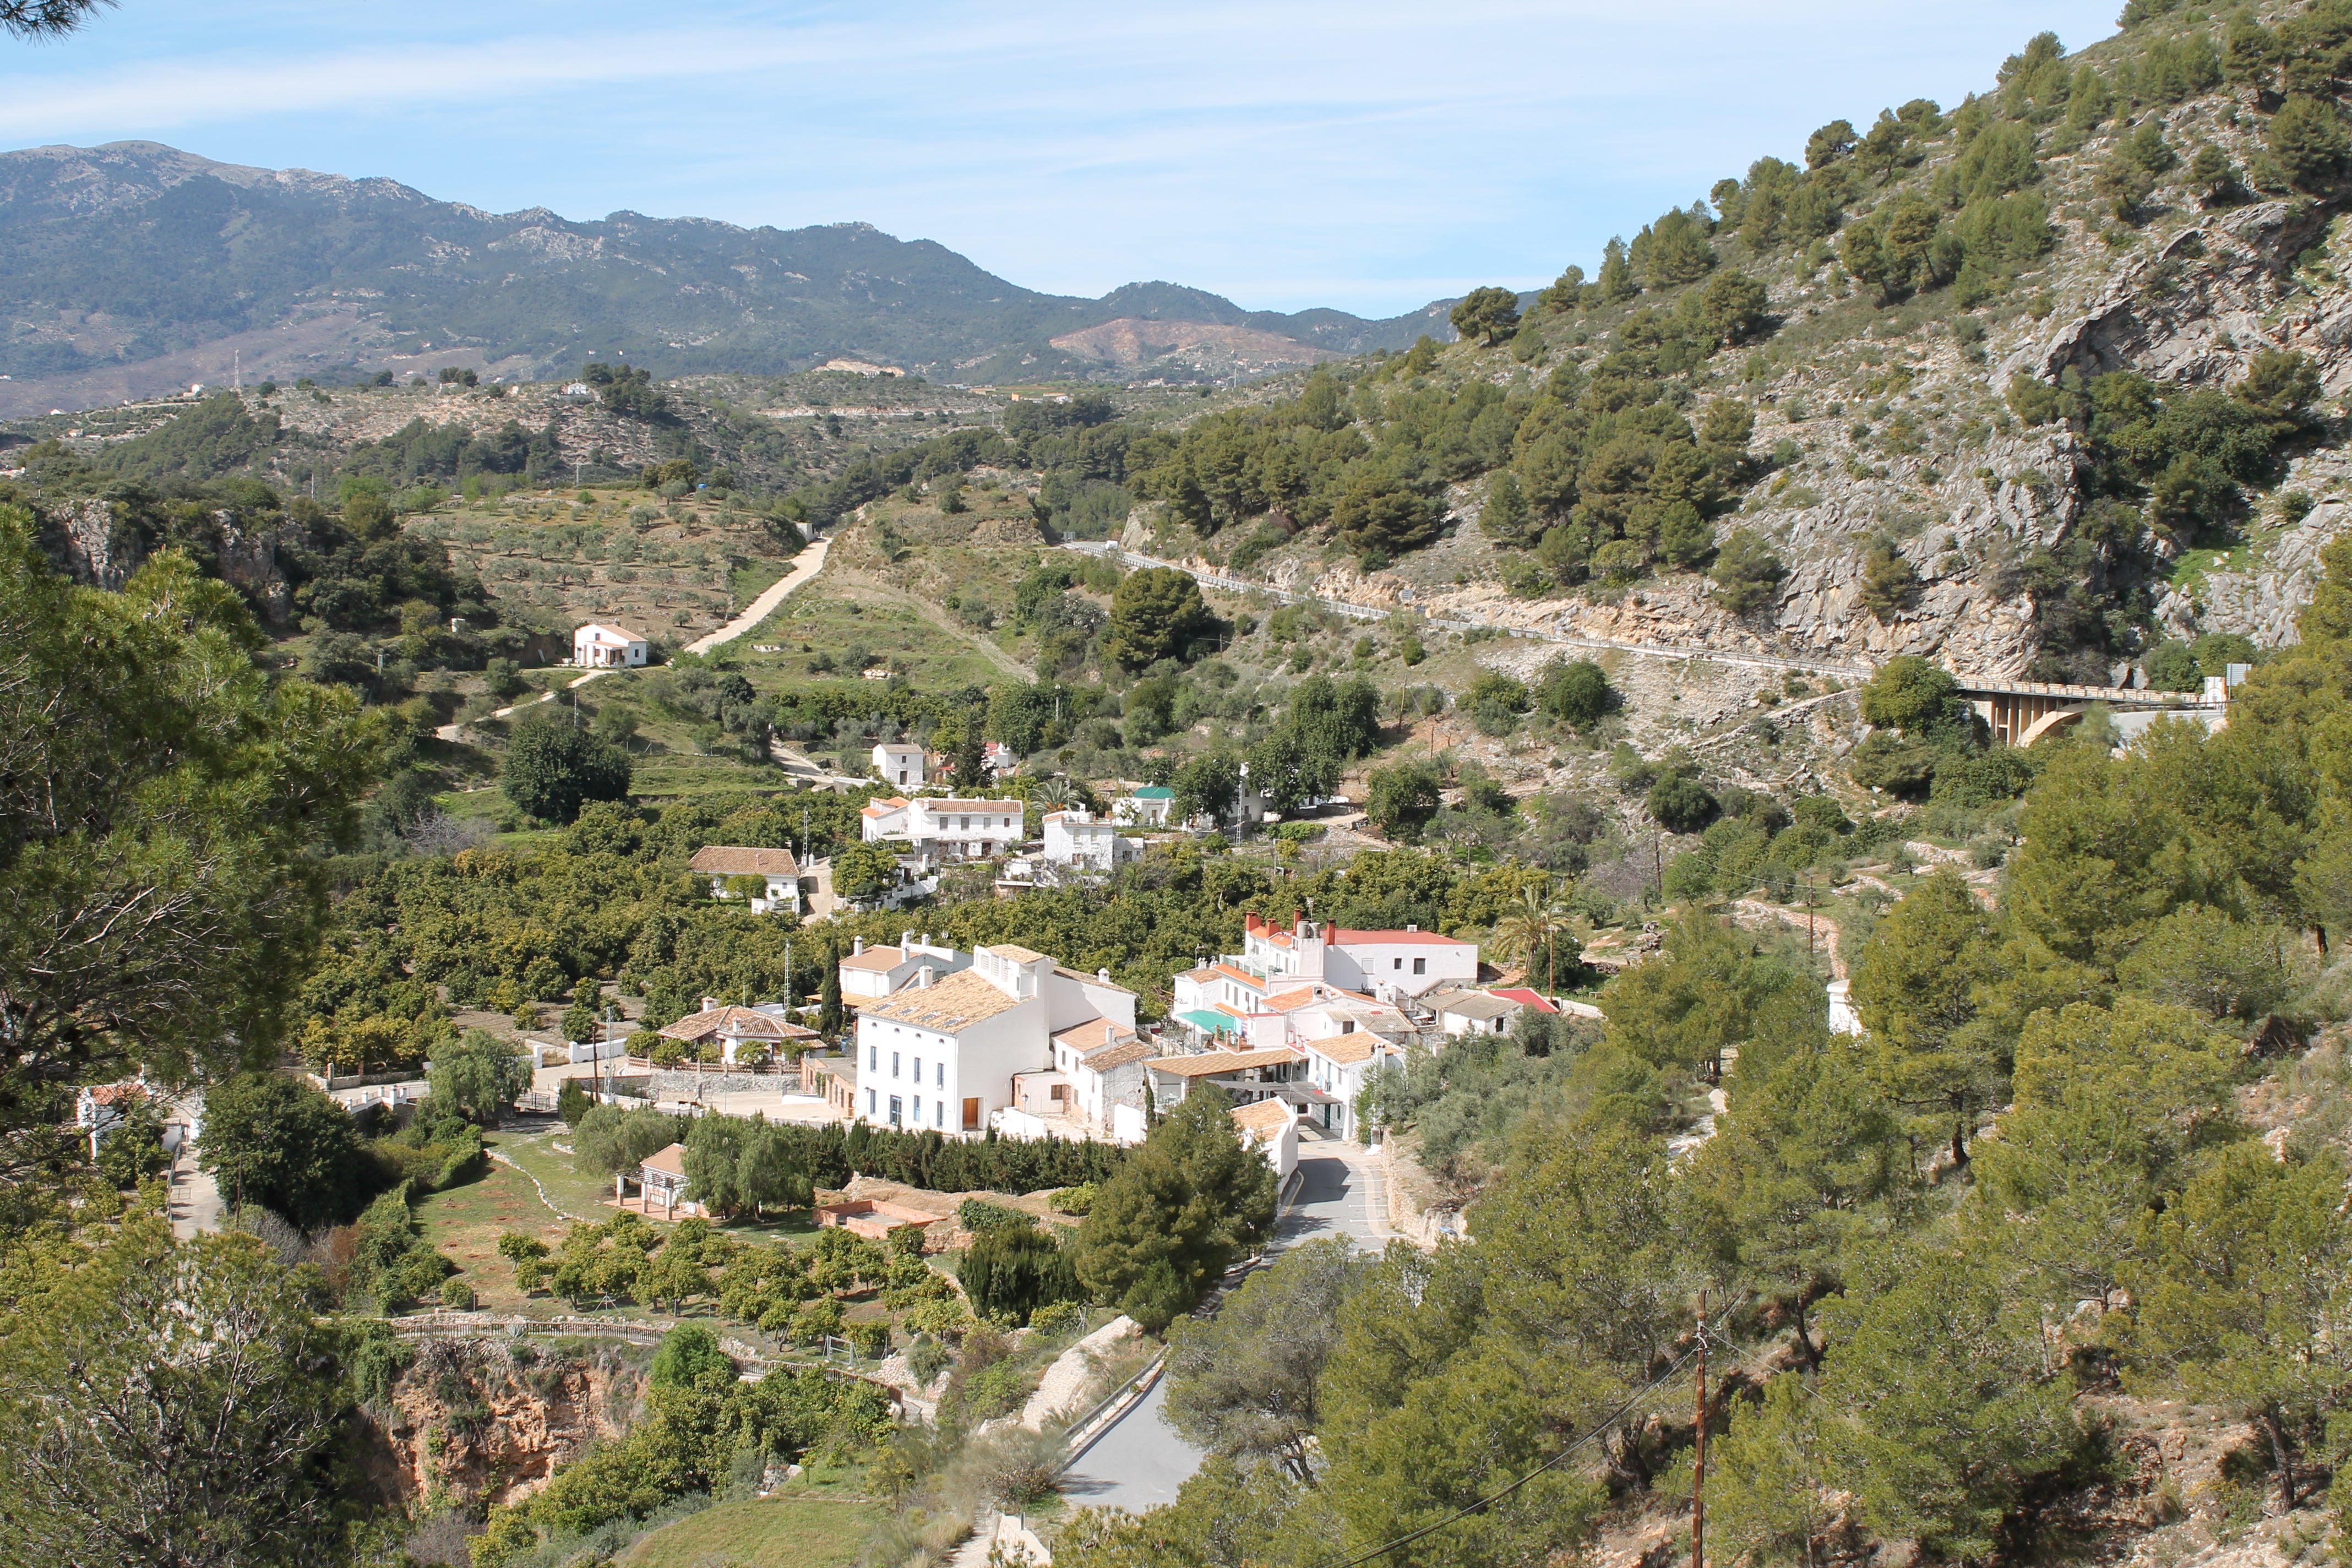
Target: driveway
(1139, 1461)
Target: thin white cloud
(1366, 153)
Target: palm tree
(1530, 929)
(1053, 793)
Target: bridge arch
(2048, 723)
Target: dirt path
(805, 565)
(948, 624)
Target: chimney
(1103, 975)
(857, 945)
(1410, 927)
(927, 939)
(923, 977)
(905, 940)
(710, 1003)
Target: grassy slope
(771, 1532)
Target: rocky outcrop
(2262, 600)
(95, 548)
(479, 1422)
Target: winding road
(1139, 1461)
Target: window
(869, 1102)
(939, 1113)
(1421, 966)
(893, 1064)
(963, 824)
(941, 1081)
(873, 1058)
(919, 1069)
(919, 1110)
(896, 1110)
(1396, 964)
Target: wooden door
(972, 1115)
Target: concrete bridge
(2019, 712)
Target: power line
(1606, 1422)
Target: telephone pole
(1698, 1451)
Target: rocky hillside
(132, 269)
(1871, 404)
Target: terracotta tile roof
(1264, 1119)
(1014, 951)
(1094, 1035)
(1206, 972)
(1348, 1049)
(1527, 998)
(602, 630)
(876, 958)
(1105, 1060)
(1216, 1064)
(882, 807)
(671, 1162)
(959, 1001)
(110, 1093)
(951, 802)
(1230, 973)
(1305, 995)
(736, 860)
(744, 1023)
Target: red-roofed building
(1386, 964)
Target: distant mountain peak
(136, 268)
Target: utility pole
(1698, 1451)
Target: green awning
(1210, 1022)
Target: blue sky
(1365, 154)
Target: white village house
(1270, 1129)
(1384, 963)
(1074, 839)
(899, 763)
(943, 1052)
(741, 1033)
(1146, 807)
(724, 862)
(871, 974)
(598, 647)
(933, 830)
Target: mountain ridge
(140, 254)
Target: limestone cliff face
(479, 1422)
(97, 543)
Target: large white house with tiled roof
(943, 1052)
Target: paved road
(1139, 1461)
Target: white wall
(1364, 967)
(980, 1061)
